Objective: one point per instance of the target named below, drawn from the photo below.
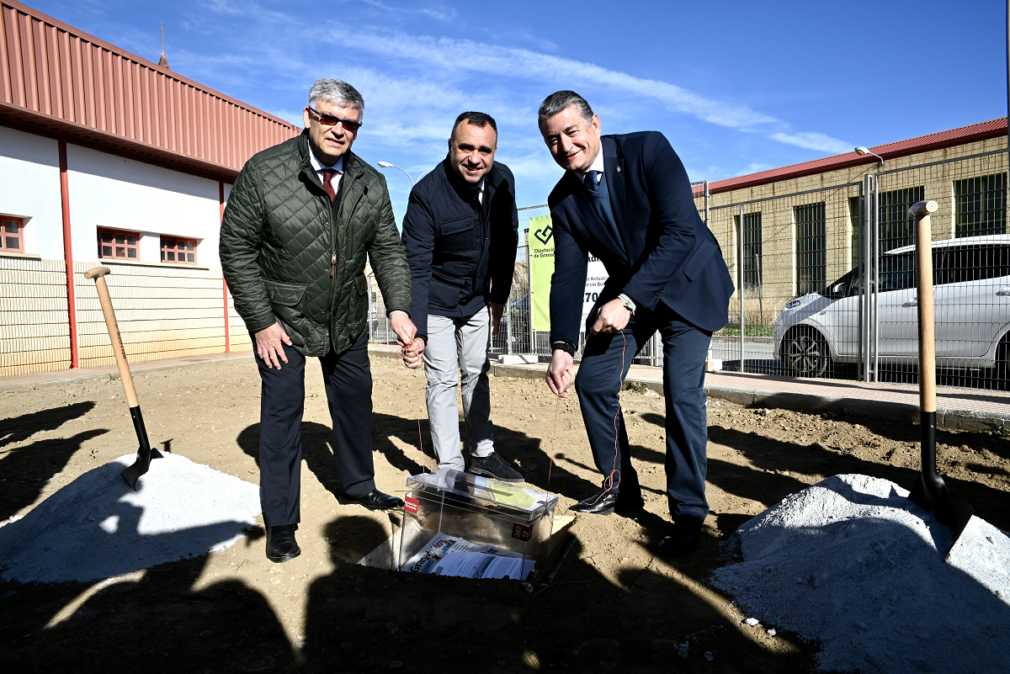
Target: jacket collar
(353, 166)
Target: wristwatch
(566, 345)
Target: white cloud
(754, 167)
(289, 116)
(466, 55)
(814, 141)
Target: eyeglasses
(329, 120)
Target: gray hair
(336, 91)
(560, 100)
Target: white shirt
(335, 183)
(597, 165)
(319, 168)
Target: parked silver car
(971, 300)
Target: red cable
(608, 482)
(420, 436)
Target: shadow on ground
(25, 470)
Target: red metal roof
(62, 82)
(901, 148)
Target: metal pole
(861, 274)
(708, 195)
(508, 332)
(761, 294)
(876, 277)
(740, 290)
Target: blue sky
(736, 86)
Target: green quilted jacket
(287, 259)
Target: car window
(853, 283)
(840, 288)
(974, 263)
(897, 272)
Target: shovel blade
(139, 467)
(930, 493)
(955, 513)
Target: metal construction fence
(825, 279)
(516, 336)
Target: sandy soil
(610, 605)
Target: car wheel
(805, 353)
(1001, 371)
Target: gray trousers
(459, 346)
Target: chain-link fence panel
(826, 277)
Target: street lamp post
(386, 164)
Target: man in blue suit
(627, 200)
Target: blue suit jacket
(666, 253)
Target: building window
(178, 251)
(980, 205)
(896, 225)
(811, 248)
(117, 244)
(752, 261)
(12, 234)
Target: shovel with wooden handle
(145, 453)
(930, 491)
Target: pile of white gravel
(852, 563)
(97, 527)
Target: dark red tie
(328, 174)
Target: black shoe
(681, 540)
(373, 500)
(597, 504)
(494, 466)
(604, 503)
(281, 545)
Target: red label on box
(521, 532)
(410, 505)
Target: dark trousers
(598, 384)
(348, 381)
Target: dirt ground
(610, 604)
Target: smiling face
(329, 143)
(573, 140)
(471, 150)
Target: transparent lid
(487, 492)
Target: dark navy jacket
(461, 253)
(666, 253)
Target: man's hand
(496, 313)
(559, 373)
(412, 353)
(611, 318)
(268, 345)
(403, 327)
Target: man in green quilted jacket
(300, 222)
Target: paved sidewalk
(90, 372)
(964, 409)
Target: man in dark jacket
(301, 219)
(461, 234)
(627, 200)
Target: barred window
(811, 248)
(117, 244)
(980, 205)
(175, 250)
(752, 262)
(12, 234)
(896, 225)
